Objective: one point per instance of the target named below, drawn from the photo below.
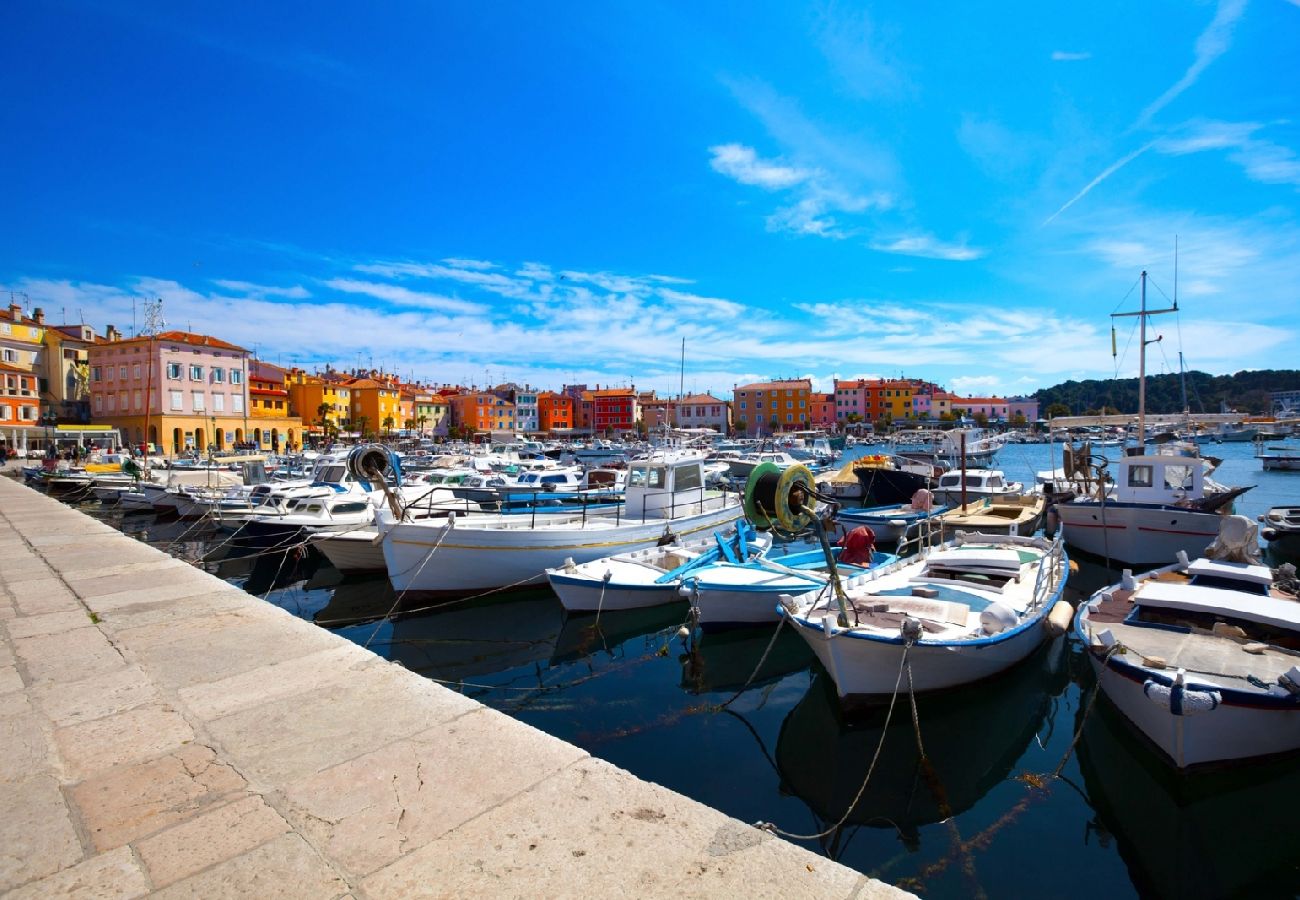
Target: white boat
(353, 552)
(1282, 528)
(890, 523)
(1279, 458)
(741, 468)
(1021, 514)
(649, 576)
(665, 498)
(1201, 655)
(956, 487)
(727, 594)
(964, 611)
(1157, 506)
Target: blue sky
(552, 192)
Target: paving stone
(284, 868)
(230, 643)
(43, 595)
(70, 656)
(14, 703)
(37, 836)
(48, 623)
(102, 695)
(365, 813)
(126, 737)
(24, 748)
(595, 825)
(10, 680)
(138, 576)
(130, 802)
(114, 875)
(264, 684)
(172, 598)
(287, 739)
(215, 836)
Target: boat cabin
(1159, 478)
(664, 485)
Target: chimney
(38, 316)
(15, 311)
(112, 333)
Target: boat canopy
(1237, 571)
(1218, 601)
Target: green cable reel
(779, 498)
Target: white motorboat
(1201, 656)
(961, 612)
(956, 486)
(665, 498)
(1282, 529)
(353, 552)
(649, 576)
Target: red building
(613, 409)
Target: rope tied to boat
(772, 828)
(1096, 690)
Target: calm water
(984, 818)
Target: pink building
(851, 397)
(994, 408)
(192, 389)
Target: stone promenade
(165, 734)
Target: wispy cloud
(744, 165)
(1109, 171)
(1067, 56)
(1261, 160)
(929, 247)
(860, 53)
(297, 292)
(479, 264)
(395, 293)
(1212, 43)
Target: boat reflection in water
(259, 572)
(726, 660)
(459, 640)
(586, 635)
(1187, 836)
(973, 737)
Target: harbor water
(980, 815)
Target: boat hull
(353, 553)
(868, 666)
(1137, 535)
(1229, 732)
(452, 558)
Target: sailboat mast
(681, 384)
(1142, 366)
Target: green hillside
(1244, 392)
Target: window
(111, 370)
(112, 402)
(236, 376)
(96, 373)
(218, 402)
(139, 400)
(11, 355)
(196, 398)
(218, 375)
(99, 403)
(237, 403)
(28, 413)
(121, 372)
(196, 373)
(174, 371)
(137, 371)
(5, 413)
(177, 399)
(1139, 476)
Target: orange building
(772, 406)
(554, 412)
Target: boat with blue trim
(960, 612)
(1202, 656)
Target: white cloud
(1067, 56)
(297, 292)
(972, 385)
(478, 264)
(1261, 160)
(1212, 43)
(395, 293)
(929, 247)
(1109, 171)
(743, 164)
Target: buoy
(1058, 620)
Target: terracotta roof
(800, 384)
(698, 398)
(613, 392)
(183, 337)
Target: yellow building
(376, 404)
(316, 400)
